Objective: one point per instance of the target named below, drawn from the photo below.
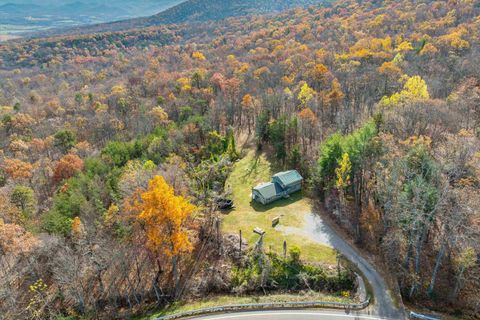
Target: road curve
(291, 315)
(317, 230)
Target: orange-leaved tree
(17, 169)
(164, 216)
(68, 166)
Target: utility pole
(240, 248)
(217, 226)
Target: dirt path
(317, 230)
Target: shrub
(65, 140)
(3, 178)
(56, 223)
(288, 274)
(118, 153)
(24, 199)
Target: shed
(282, 185)
(267, 192)
(290, 181)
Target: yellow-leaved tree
(198, 56)
(164, 215)
(306, 94)
(343, 172)
(160, 117)
(414, 88)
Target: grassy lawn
(247, 215)
(216, 301)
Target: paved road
(317, 230)
(291, 315)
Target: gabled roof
(269, 189)
(288, 177)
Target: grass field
(215, 301)
(247, 173)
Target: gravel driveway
(317, 230)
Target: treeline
(412, 201)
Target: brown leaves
(17, 169)
(14, 239)
(389, 68)
(67, 167)
(218, 81)
(307, 115)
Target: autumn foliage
(18, 169)
(15, 239)
(376, 103)
(67, 167)
(164, 215)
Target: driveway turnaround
(317, 230)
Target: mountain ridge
(192, 11)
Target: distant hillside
(202, 10)
(195, 11)
(24, 17)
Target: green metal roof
(288, 177)
(269, 189)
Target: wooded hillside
(194, 11)
(376, 103)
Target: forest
(376, 103)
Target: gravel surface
(316, 229)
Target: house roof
(268, 189)
(288, 177)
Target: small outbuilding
(290, 181)
(283, 184)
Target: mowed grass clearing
(247, 215)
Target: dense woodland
(377, 103)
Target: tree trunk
(458, 283)
(408, 254)
(418, 253)
(176, 279)
(357, 191)
(156, 280)
(438, 262)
